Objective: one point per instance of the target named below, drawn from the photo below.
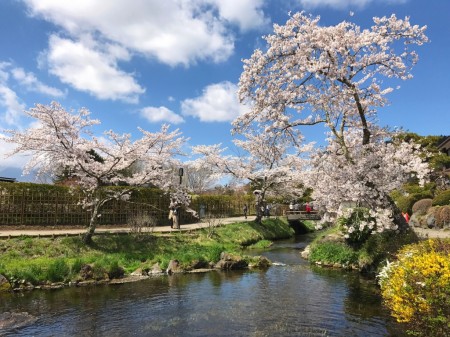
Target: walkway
(71, 231)
(423, 233)
(431, 233)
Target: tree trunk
(87, 237)
(259, 209)
(399, 219)
(259, 216)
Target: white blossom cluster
(333, 75)
(181, 198)
(363, 178)
(319, 74)
(62, 140)
(264, 161)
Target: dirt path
(5, 232)
(77, 231)
(431, 233)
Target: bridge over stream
(296, 218)
(302, 215)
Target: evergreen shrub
(442, 216)
(422, 206)
(442, 198)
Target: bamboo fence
(50, 208)
(28, 207)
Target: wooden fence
(60, 207)
(50, 208)
(25, 204)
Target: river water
(289, 299)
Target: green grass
(369, 256)
(262, 244)
(37, 260)
(333, 252)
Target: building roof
(7, 180)
(444, 145)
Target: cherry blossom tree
(61, 139)
(314, 74)
(198, 179)
(333, 75)
(375, 170)
(264, 162)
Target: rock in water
(14, 320)
(4, 284)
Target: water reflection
(290, 300)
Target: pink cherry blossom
(64, 140)
(335, 75)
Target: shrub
(382, 246)
(416, 287)
(405, 202)
(356, 225)
(442, 198)
(422, 206)
(442, 216)
(141, 223)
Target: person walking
(245, 210)
(267, 212)
(308, 208)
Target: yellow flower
(416, 288)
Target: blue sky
(147, 62)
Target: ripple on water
(294, 299)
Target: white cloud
(161, 114)
(9, 99)
(91, 70)
(247, 14)
(342, 4)
(31, 83)
(218, 103)
(11, 103)
(15, 161)
(175, 32)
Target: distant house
(444, 146)
(444, 180)
(7, 180)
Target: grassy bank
(30, 260)
(330, 248)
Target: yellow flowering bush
(416, 288)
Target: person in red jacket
(308, 208)
(406, 216)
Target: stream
(292, 298)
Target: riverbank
(29, 262)
(330, 249)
